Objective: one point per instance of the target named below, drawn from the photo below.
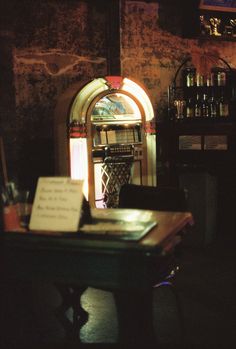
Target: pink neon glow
(79, 161)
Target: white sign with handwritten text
(57, 204)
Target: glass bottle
(204, 106)
(213, 106)
(221, 78)
(189, 76)
(197, 107)
(199, 80)
(210, 79)
(189, 108)
(223, 106)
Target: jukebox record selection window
(124, 136)
(129, 135)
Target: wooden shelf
(201, 122)
(202, 38)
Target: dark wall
(179, 17)
(45, 47)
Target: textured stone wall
(152, 55)
(54, 44)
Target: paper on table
(57, 204)
(120, 229)
(112, 227)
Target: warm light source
(139, 93)
(79, 161)
(84, 98)
(98, 185)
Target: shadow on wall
(36, 160)
(179, 17)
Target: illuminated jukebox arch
(111, 138)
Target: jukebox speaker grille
(115, 173)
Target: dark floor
(206, 287)
(205, 284)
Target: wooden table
(129, 269)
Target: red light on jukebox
(150, 127)
(114, 81)
(77, 130)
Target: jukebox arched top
(108, 93)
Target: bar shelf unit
(183, 89)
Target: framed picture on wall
(218, 5)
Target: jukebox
(111, 138)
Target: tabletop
(95, 261)
(168, 225)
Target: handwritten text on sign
(57, 204)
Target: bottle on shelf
(189, 108)
(198, 107)
(213, 106)
(179, 105)
(199, 79)
(204, 106)
(189, 76)
(210, 79)
(223, 106)
(219, 76)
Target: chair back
(153, 198)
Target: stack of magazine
(117, 229)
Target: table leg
(135, 318)
(71, 297)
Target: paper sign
(57, 204)
(216, 142)
(190, 142)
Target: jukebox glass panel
(116, 131)
(116, 106)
